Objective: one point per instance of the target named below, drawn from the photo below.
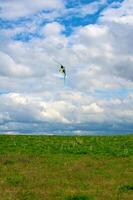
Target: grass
(66, 168)
(78, 197)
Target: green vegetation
(66, 167)
(78, 197)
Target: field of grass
(66, 167)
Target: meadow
(66, 167)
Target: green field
(66, 167)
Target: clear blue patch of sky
(9, 24)
(112, 1)
(121, 93)
(76, 3)
(71, 3)
(4, 91)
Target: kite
(62, 70)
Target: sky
(93, 39)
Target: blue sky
(87, 37)
(75, 15)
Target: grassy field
(66, 168)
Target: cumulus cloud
(51, 29)
(8, 67)
(33, 110)
(92, 108)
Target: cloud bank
(93, 40)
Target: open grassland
(66, 168)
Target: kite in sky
(63, 71)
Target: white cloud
(92, 108)
(97, 57)
(121, 15)
(9, 68)
(52, 29)
(15, 9)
